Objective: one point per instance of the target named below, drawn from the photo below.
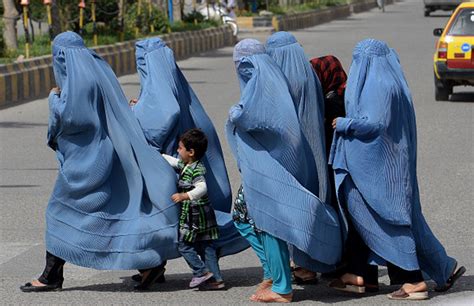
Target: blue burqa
(265, 136)
(166, 108)
(110, 207)
(308, 99)
(375, 148)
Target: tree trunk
(177, 10)
(10, 15)
(121, 8)
(56, 20)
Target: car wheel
(442, 91)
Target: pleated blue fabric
(110, 207)
(265, 136)
(376, 146)
(166, 108)
(308, 99)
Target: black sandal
(311, 280)
(28, 287)
(452, 279)
(148, 281)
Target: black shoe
(28, 287)
(452, 279)
(154, 274)
(138, 278)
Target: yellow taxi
(454, 56)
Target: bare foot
(37, 283)
(265, 284)
(304, 274)
(352, 279)
(415, 291)
(415, 287)
(268, 296)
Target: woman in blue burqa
(308, 99)
(167, 107)
(110, 207)
(276, 172)
(374, 158)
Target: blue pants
(247, 231)
(201, 257)
(278, 259)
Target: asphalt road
(445, 172)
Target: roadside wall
(32, 79)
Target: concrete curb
(305, 19)
(311, 18)
(32, 79)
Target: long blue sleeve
(55, 108)
(359, 128)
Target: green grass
(311, 5)
(180, 26)
(42, 46)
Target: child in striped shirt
(197, 221)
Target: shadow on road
(240, 277)
(462, 97)
(19, 186)
(215, 54)
(250, 277)
(193, 69)
(130, 84)
(20, 125)
(440, 16)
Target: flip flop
(452, 279)
(150, 279)
(307, 280)
(338, 284)
(403, 295)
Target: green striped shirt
(197, 220)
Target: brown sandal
(305, 277)
(401, 294)
(338, 284)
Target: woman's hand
(334, 123)
(56, 90)
(132, 102)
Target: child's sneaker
(197, 280)
(212, 284)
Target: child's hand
(179, 197)
(56, 90)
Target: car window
(464, 23)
